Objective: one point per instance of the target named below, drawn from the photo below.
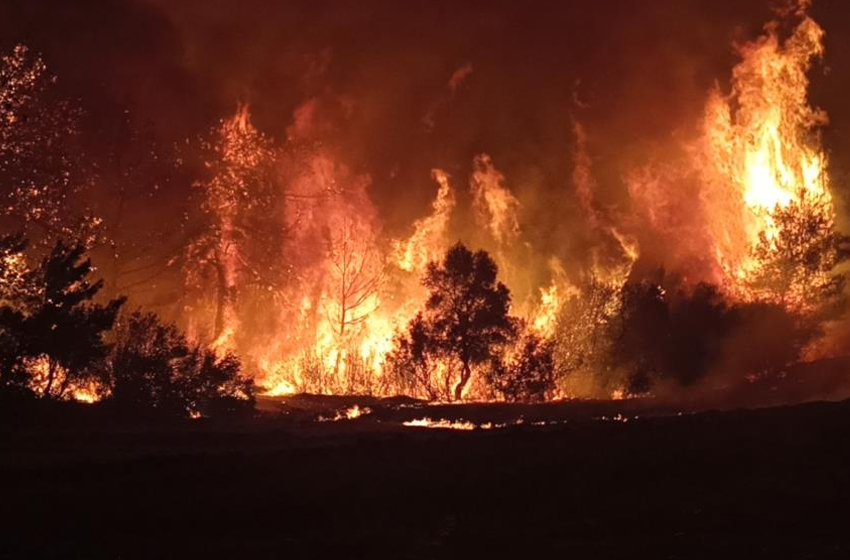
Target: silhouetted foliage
(684, 338)
(765, 338)
(528, 374)
(143, 364)
(13, 376)
(216, 385)
(54, 339)
(415, 368)
(154, 368)
(465, 320)
(13, 291)
(63, 326)
(51, 332)
(700, 322)
(643, 335)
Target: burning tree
(355, 278)
(41, 175)
(239, 200)
(796, 262)
(765, 190)
(466, 319)
(582, 338)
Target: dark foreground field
(771, 483)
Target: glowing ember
(52, 377)
(350, 413)
(441, 424)
(465, 425)
(88, 394)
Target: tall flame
(761, 148)
(345, 289)
(428, 239)
(496, 208)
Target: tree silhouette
(63, 327)
(700, 322)
(528, 375)
(465, 319)
(642, 334)
(414, 367)
(142, 364)
(153, 368)
(217, 386)
(14, 289)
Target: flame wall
(573, 143)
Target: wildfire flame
(84, 392)
(760, 149)
(428, 239)
(357, 313)
(348, 289)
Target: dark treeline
(60, 341)
(650, 334)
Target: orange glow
(441, 424)
(84, 392)
(496, 208)
(429, 234)
(760, 149)
(342, 288)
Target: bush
(153, 367)
(528, 375)
(465, 321)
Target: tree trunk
(221, 299)
(465, 374)
(65, 383)
(51, 377)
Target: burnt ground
(768, 483)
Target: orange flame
(761, 149)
